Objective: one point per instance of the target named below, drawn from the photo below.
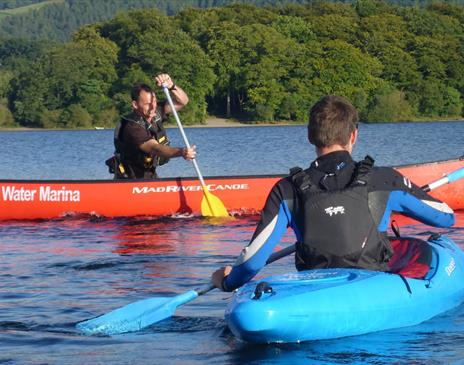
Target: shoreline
(215, 122)
(210, 122)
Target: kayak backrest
(411, 257)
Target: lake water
(222, 151)
(54, 273)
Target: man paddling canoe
(140, 138)
(339, 209)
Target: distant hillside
(12, 4)
(57, 19)
(25, 9)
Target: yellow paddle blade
(212, 206)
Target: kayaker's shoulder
(381, 177)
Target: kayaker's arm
(409, 199)
(275, 219)
(428, 211)
(153, 147)
(179, 96)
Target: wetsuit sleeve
(276, 217)
(407, 198)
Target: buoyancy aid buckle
(147, 162)
(363, 167)
(300, 178)
(115, 166)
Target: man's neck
(141, 115)
(326, 150)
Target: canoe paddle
(211, 205)
(143, 313)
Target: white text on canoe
(44, 194)
(177, 189)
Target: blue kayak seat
(411, 257)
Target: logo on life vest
(335, 210)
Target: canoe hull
(26, 199)
(333, 303)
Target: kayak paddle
(451, 177)
(143, 313)
(211, 205)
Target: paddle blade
(135, 316)
(212, 206)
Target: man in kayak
(339, 209)
(140, 138)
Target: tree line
(260, 64)
(58, 19)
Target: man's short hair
(135, 93)
(331, 121)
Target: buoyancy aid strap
(395, 228)
(363, 167)
(300, 178)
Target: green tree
(346, 71)
(295, 28)
(264, 69)
(389, 105)
(224, 50)
(151, 44)
(366, 8)
(78, 72)
(6, 117)
(439, 100)
(335, 26)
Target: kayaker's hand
(164, 79)
(219, 275)
(189, 153)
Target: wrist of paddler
(223, 284)
(219, 278)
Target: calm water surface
(222, 151)
(56, 273)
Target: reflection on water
(56, 273)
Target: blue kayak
(332, 303)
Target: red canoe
(28, 199)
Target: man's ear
(134, 104)
(354, 137)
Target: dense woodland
(255, 63)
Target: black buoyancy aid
(129, 155)
(338, 228)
